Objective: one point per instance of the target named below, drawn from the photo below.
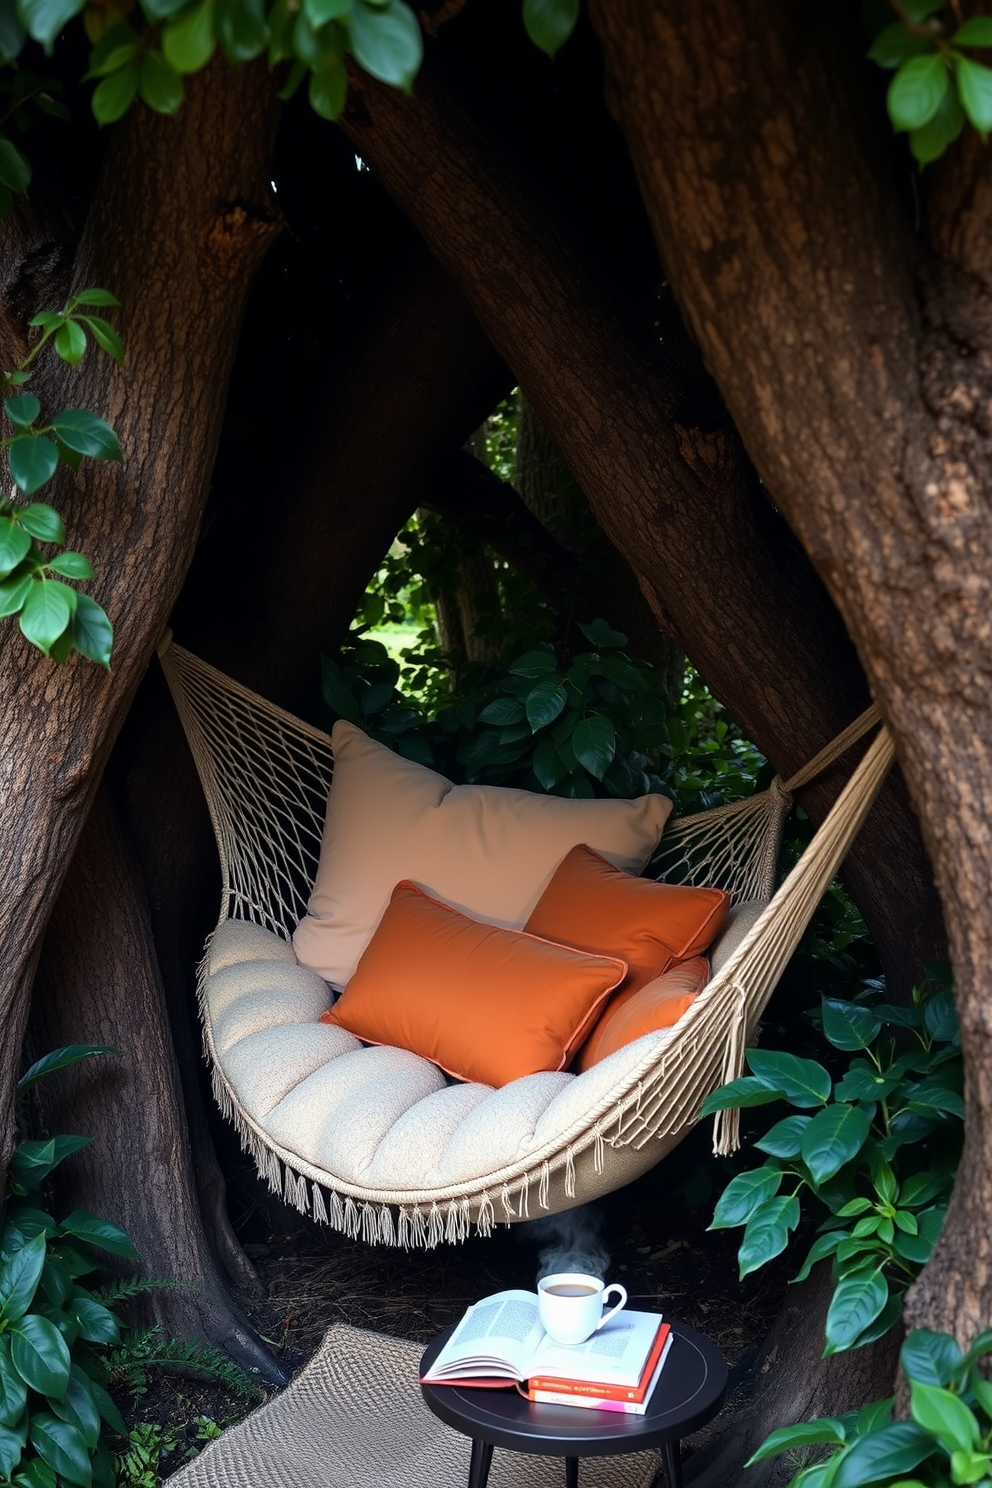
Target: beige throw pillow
(486, 850)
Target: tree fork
(665, 474)
(171, 224)
(769, 186)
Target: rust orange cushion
(594, 906)
(486, 1004)
(658, 1004)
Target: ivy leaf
(547, 765)
(329, 89)
(40, 1355)
(188, 42)
(115, 94)
(63, 1446)
(46, 614)
(594, 743)
(599, 634)
(104, 334)
(847, 1025)
(916, 91)
(33, 460)
(116, 48)
(894, 44)
(72, 566)
(43, 522)
(533, 664)
(502, 712)
(319, 12)
(70, 342)
(14, 545)
(162, 89)
(545, 702)
(386, 41)
(101, 1232)
(44, 19)
(241, 29)
(87, 433)
(856, 1303)
(92, 633)
(743, 1195)
(13, 593)
(804, 1082)
(976, 33)
(549, 24)
(22, 410)
(834, 1136)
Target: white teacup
(571, 1305)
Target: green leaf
(104, 334)
(92, 632)
(70, 342)
(32, 1161)
(11, 1450)
(19, 1278)
(80, 1406)
(95, 297)
(13, 1390)
(930, 1358)
(12, 33)
(386, 41)
(977, 32)
(63, 1446)
(980, 1345)
(806, 1434)
(743, 1195)
(72, 566)
(745, 1091)
(804, 1082)
(594, 742)
(115, 94)
(97, 1323)
(545, 702)
(40, 1355)
(162, 89)
(823, 1246)
(883, 1454)
(44, 19)
(547, 765)
(102, 1232)
(785, 1137)
(856, 1302)
(834, 1136)
(59, 1059)
(502, 711)
(599, 634)
(975, 90)
(241, 29)
(847, 1025)
(13, 594)
(894, 44)
(108, 1410)
(33, 460)
(916, 91)
(22, 410)
(319, 12)
(46, 613)
(36, 1474)
(116, 48)
(533, 664)
(188, 42)
(14, 545)
(945, 1415)
(549, 24)
(862, 1082)
(87, 433)
(887, 1319)
(767, 1232)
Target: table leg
(482, 1456)
(571, 1472)
(671, 1456)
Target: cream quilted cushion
(377, 1117)
(737, 924)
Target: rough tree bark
(857, 362)
(179, 252)
(664, 471)
(104, 987)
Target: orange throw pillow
(486, 1004)
(630, 1016)
(595, 907)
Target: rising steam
(569, 1242)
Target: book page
(500, 1330)
(616, 1354)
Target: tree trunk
(859, 370)
(176, 231)
(665, 473)
(98, 983)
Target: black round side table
(689, 1393)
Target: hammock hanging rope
(350, 1156)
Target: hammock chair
(373, 1140)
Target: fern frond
(123, 1288)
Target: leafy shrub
(878, 1147)
(947, 1441)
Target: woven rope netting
(266, 776)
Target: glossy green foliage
(876, 1141)
(52, 614)
(941, 77)
(947, 1441)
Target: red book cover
(634, 1393)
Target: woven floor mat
(354, 1418)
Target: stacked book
(500, 1342)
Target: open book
(500, 1341)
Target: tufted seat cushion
(377, 1117)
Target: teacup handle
(613, 1287)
